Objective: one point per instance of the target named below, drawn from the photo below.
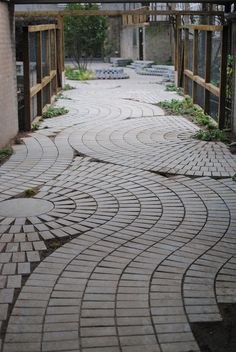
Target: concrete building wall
(8, 98)
(157, 44)
(129, 45)
(112, 42)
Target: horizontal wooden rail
(37, 87)
(201, 82)
(41, 27)
(203, 27)
(223, 2)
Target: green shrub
(5, 153)
(53, 112)
(171, 87)
(211, 135)
(186, 107)
(75, 73)
(179, 107)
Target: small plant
(18, 140)
(54, 244)
(186, 107)
(211, 135)
(59, 96)
(171, 87)
(53, 112)
(34, 126)
(201, 119)
(234, 178)
(67, 86)
(75, 73)
(5, 153)
(64, 97)
(179, 107)
(30, 192)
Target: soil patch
(220, 336)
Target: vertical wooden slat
(207, 71)
(181, 59)
(60, 59)
(48, 62)
(26, 124)
(177, 25)
(186, 57)
(223, 77)
(195, 63)
(55, 56)
(39, 72)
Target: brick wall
(8, 100)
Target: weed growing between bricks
(53, 112)
(185, 107)
(5, 153)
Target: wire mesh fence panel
(45, 68)
(34, 107)
(46, 95)
(213, 106)
(190, 51)
(201, 54)
(200, 93)
(33, 58)
(215, 58)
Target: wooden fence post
(207, 71)
(223, 77)
(39, 73)
(27, 98)
(195, 63)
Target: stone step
(119, 61)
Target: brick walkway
(146, 255)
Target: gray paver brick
(128, 230)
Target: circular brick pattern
(147, 254)
(146, 267)
(20, 207)
(157, 144)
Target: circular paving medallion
(22, 207)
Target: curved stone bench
(111, 73)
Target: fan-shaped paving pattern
(34, 163)
(133, 281)
(155, 144)
(145, 255)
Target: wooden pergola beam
(115, 13)
(222, 2)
